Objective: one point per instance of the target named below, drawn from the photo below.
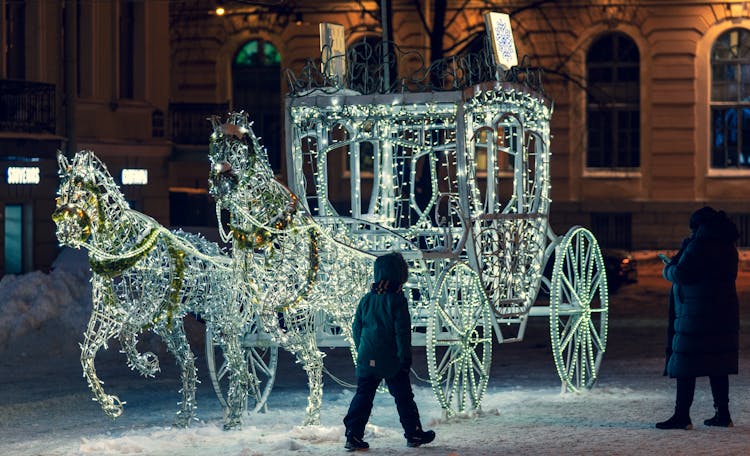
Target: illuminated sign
(132, 176)
(23, 175)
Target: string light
(146, 278)
(299, 264)
(466, 232)
(308, 275)
(579, 324)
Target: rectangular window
(730, 138)
(15, 40)
(730, 100)
(613, 138)
(613, 229)
(127, 48)
(613, 102)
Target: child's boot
(419, 437)
(355, 444)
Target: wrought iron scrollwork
(408, 71)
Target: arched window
(613, 102)
(256, 74)
(730, 100)
(257, 53)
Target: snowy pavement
(46, 407)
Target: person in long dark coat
(704, 316)
(382, 337)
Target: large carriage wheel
(261, 357)
(579, 304)
(459, 340)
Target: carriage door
(256, 75)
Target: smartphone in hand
(664, 258)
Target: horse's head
(236, 156)
(78, 210)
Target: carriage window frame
(498, 142)
(507, 134)
(351, 140)
(347, 166)
(613, 100)
(483, 140)
(730, 95)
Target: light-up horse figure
(146, 277)
(308, 282)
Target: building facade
(78, 75)
(650, 103)
(649, 96)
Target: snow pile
(46, 407)
(46, 314)
(54, 305)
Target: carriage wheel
(459, 340)
(261, 357)
(579, 305)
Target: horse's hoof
(151, 363)
(112, 406)
(233, 425)
(182, 422)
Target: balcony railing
(189, 121)
(27, 107)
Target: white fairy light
(308, 273)
(441, 215)
(146, 278)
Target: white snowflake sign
(501, 36)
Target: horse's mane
(92, 170)
(239, 129)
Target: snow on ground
(45, 405)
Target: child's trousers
(361, 405)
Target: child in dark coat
(382, 336)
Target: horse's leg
(298, 338)
(177, 344)
(101, 327)
(147, 363)
(312, 362)
(239, 378)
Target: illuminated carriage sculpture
(458, 181)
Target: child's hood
(391, 268)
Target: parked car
(621, 268)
